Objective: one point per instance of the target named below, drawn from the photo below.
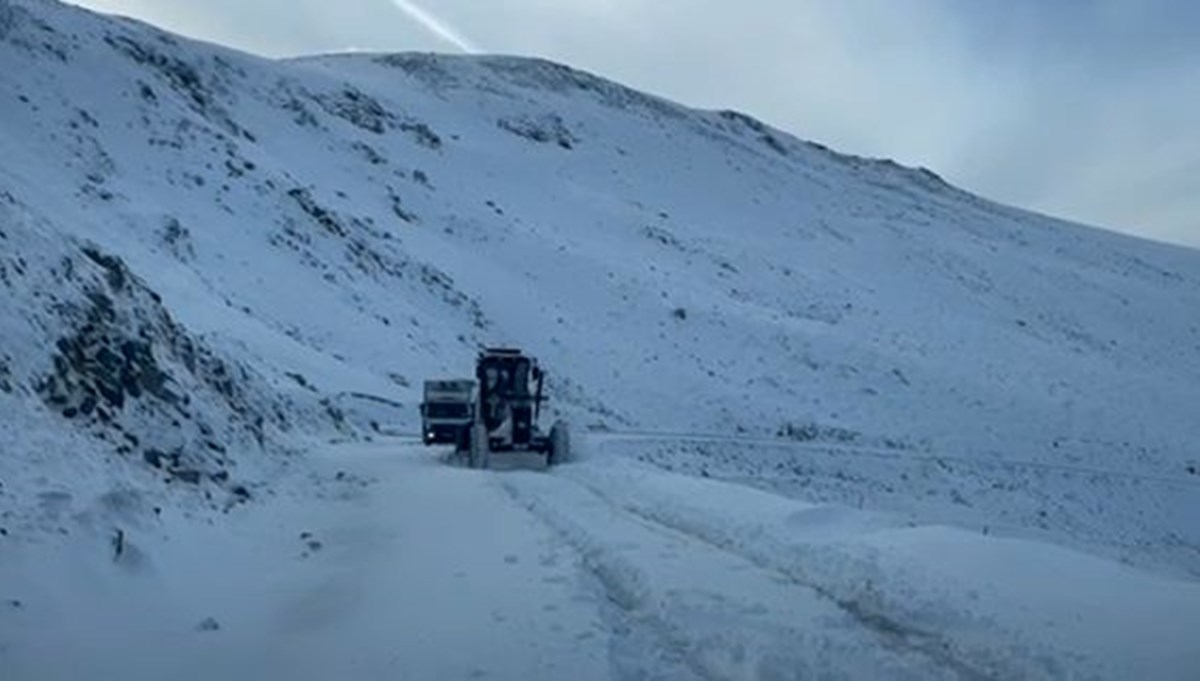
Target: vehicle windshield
(443, 410)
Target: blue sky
(1088, 110)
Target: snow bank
(1010, 608)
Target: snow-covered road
(383, 562)
(689, 608)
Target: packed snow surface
(385, 562)
(846, 418)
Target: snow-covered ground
(379, 562)
(212, 264)
(382, 561)
(1132, 517)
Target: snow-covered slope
(211, 261)
(345, 226)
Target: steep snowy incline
(678, 268)
(747, 279)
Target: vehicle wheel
(560, 444)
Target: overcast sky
(1084, 109)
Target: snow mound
(986, 606)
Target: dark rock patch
(357, 108)
(758, 128)
(183, 77)
(811, 432)
(5, 374)
(545, 129)
(321, 215)
(188, 475)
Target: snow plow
(496, 414)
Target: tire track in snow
(618, 579)
(892, 632)
(1014, 657)
(772, 626)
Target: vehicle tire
(560, 444)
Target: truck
(447, 411)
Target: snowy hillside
(212, 261)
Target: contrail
(436, 26)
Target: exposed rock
(542, 129)
(188, 475)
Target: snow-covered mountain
(210, 260)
